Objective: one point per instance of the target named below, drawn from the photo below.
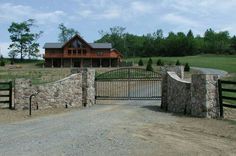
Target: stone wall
(179, 70)
(66, 92)
(178, 94)
(197, 98)
(204, 94)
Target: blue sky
(138, 16)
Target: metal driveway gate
(128, 84)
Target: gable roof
(53, 45)
(91, 45)
(101, 45)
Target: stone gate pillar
(179, 70)
(88, 87)
(204, 96)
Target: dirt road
(124, 128)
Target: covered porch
(81, 62)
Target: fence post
(10, 95)
(129, 83)
(220, 98)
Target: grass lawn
(223, 62)
(30, 70)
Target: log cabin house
(78, 53)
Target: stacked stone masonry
(197, 98)
(66, 92)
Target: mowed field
(223, 62)
(40, 75)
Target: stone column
(204, 96)
(23, 89)
(179, 70)
(88, 87)
(90, 99)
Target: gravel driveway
(124, 128)
(219, 72)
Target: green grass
(37, 75)
(223, 62)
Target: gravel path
(124, 128)
(211, 71)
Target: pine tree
(140, 62)
(149, 66)
(187, 67)
(177, 63)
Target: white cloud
(141, 7)
(10, 12)
(180, 20)
(4, 48)
(110, 10)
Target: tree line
(25, 42)
(174, 44)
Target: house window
(74, 52)
(69, 52)
(79, 51)
(99, 53)
(76, 44)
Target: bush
(2, 63)
(159, 62)
(149, 66)
(40, 64)
(150, 61)
(186, 67)
(12, 61)
(140, 62)
(177, 63)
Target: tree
(12, 54)
(233, 44)
(187, 67)
(149, 66)
(117, 37)
(150, 61)
(159, 62)
(177, 63)
(65, 33)
(140, 62)
(2, 62)
(22, 38)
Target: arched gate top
(128, 73)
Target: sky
(137, 16)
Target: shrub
(150, 61)
(2, 63)
(187, 67)
(140, 62)
(177, 63)
(40, 64)
(149, 66)
(159, 62)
